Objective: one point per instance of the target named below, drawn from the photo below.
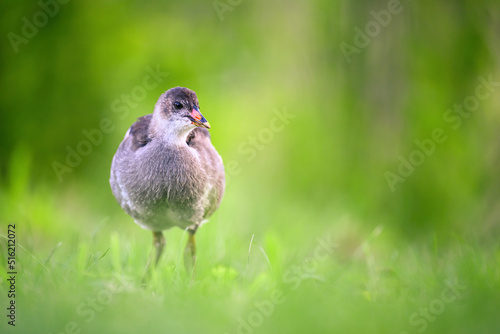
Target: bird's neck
(172, 133)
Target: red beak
(198, 119)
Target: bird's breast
(167, 179)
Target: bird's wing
(199, 139)
(196, 136)
(135, 138)
(139, 132)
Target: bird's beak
(197, 118)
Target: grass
(81, 274)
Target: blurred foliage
(352, 120)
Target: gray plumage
(166, 171)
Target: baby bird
(167, 173)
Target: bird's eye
(178, 105)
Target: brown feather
(139, 132)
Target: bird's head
(176, 113)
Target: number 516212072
(11, 245)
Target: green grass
(321, 176)
(82, 273)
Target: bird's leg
(158, 245)
(190, 252)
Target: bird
(166, 172)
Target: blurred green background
(361, 83)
